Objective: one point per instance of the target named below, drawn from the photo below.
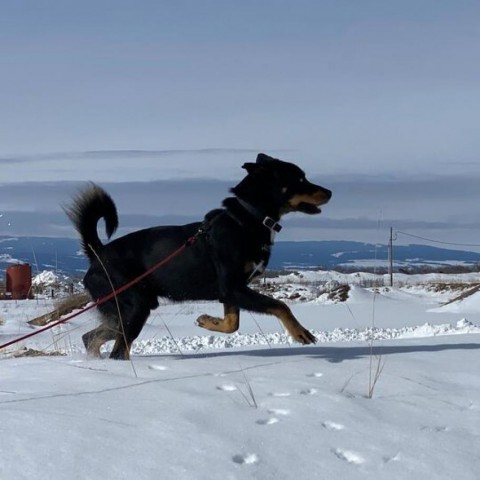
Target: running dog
(232, 246)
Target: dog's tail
(88, 207)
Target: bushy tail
(88, 207)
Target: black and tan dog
(233, 246)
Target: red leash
(108, 297)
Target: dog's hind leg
(228, 324)
(94, 339)
(123, 316)
(133, 318)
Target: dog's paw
(303, 336)
(200, 321)
(215, 324)
(207, 321)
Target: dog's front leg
(228, 324)
(292, 325)
(248, 299)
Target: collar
(266, 221)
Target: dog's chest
(256, 265)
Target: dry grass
(453, 287)
(466, 293)
(65, 306)
(30, 352)
(339, 294)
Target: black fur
(218, 266)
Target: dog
(231, 247)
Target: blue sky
(377, 98)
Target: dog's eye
(302, 180)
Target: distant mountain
(355, 255)
(62, 255)
(43, 253)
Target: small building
(19, 281)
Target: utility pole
(390, 257)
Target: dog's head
(272, 181)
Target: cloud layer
(362, 208)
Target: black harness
(268, 222)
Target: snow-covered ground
(192, 405)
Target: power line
(438, 241)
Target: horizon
(64, 256)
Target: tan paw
(208, 322)
(302, 335)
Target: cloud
(127, 165)
(129, 154)
(452, 199)
(443, 207)
(12, 160)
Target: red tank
(19, 281)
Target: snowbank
(252, 405)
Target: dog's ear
(262, 161)
(250, 167)
(263, 158)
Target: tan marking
(314, 199)
(228, 324)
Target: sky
(162, 102)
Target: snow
(45, 278)
(470, 304)
(194, 405)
